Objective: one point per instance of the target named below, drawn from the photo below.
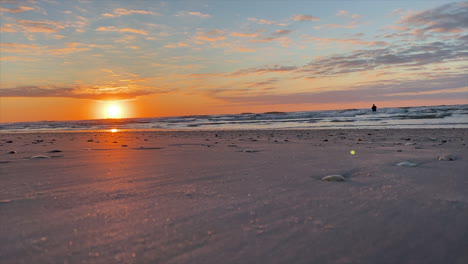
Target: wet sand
(235, 197)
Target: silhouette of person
(374, 108)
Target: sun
(113, 111)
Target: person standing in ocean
(374, 108)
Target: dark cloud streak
(72, 92)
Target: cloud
(191, 13)
(177, 45)
(448, 18)
(266, 21)
(262, 40)
(305, 18)
(40, 26)
(344, 13)
(8, 28)
(262, 84)
(281, 32)
(11, 47)
(263, 70)
(198, 14)
(124, 12)
(400, 28)
(351, 41)
(211, 39)
(79, 92)
(19, 9)
(244, 35)
(392, 56)
(211, 36)
(442, 87)
(31, 49)
(129, 30)
(245, 50)
(336, 26)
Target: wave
(421, 116)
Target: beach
(235, 196)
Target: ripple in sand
(335, 177)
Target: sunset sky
(67, 60)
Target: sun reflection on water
(113, 130)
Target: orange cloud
(19, 48)
(39, 26)
(397, 27)
(177, 45)
(347, 14)
(245, 50)
(305, 18)
(19, 9)
(123, 12)
(244, 35)
(266, 22)
(211, 39)
(130, 30)
(198, 14)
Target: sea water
(445, 116)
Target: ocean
(444, 116)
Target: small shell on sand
(40, 157)
(336, 177)
(406, 164)
(446, 157)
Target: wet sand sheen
(235, 197)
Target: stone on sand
(446, 157)
(335, 177)
(406, 164)
(40, 157)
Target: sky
(71, 60)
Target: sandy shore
(235, 197)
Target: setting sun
(113, 111)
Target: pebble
(406, 164)
(40, 157)
(12, 152)
(447, 157)
(409, 144)
(54, 151)
(336, 177)
(250, 150)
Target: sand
(235, 197)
